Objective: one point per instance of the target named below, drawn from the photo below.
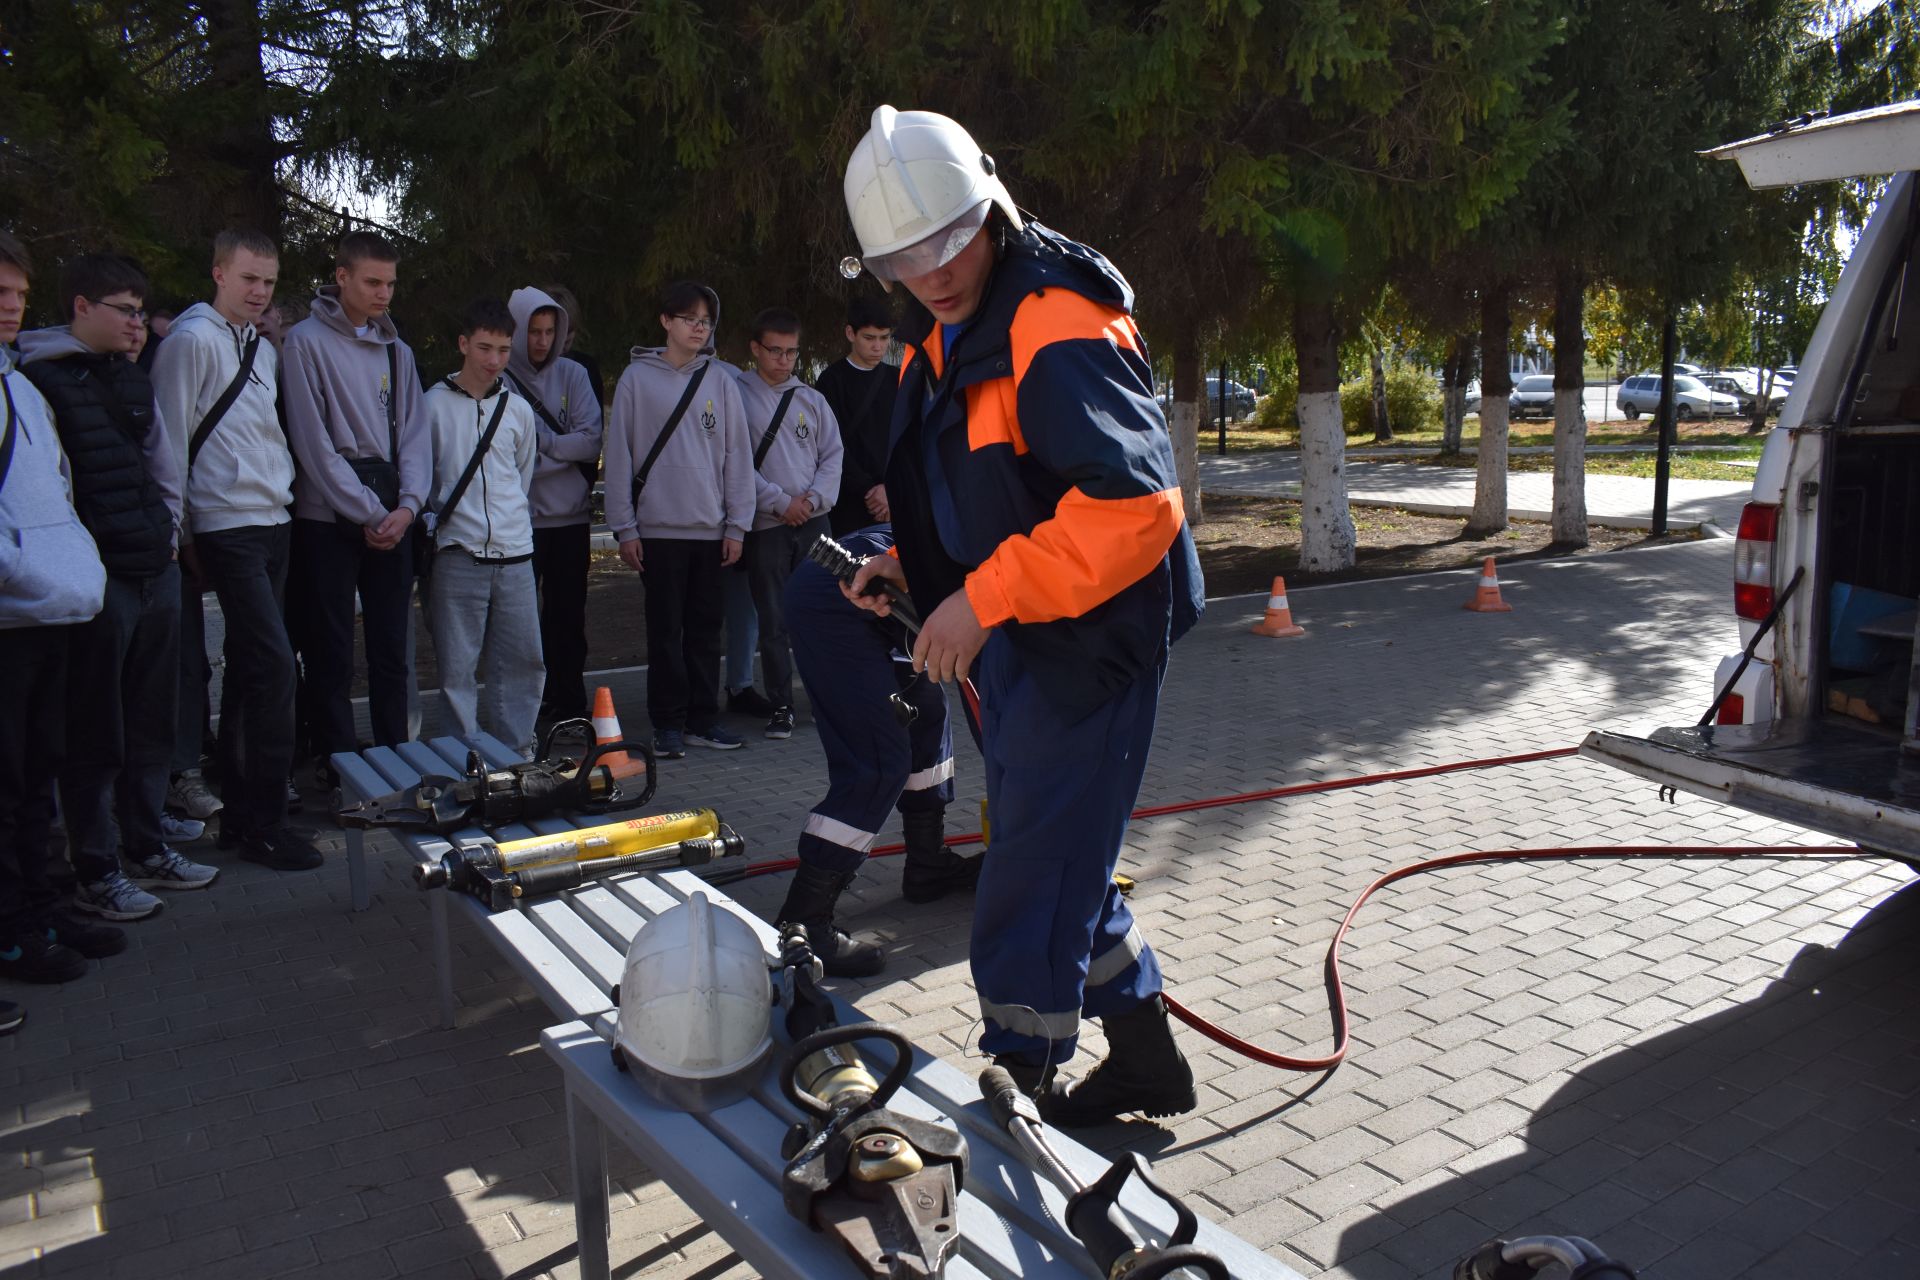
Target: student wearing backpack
(486, 619)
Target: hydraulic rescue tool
(1527, 1257)
(1093, 1209)
(885, 1185)
(500, 873)
(490, 797)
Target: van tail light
(1753, 561)
(1733, 710)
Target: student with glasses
(680, 500)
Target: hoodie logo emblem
(564, 420)
(386, 392)
(707, 421)
(801, 431)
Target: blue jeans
(486, 625)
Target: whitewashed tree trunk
(1569, 468)
(1327, 537)
(1490, 476)
(1184, 423)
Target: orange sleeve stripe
(1089, 551)
(1061, 315)
(993, 415)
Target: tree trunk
(1569, 408)
(1762, 400)
(242, 136)
(1496, 381)
(1189, 396)
(1382, 428)
(1327, 538)
(1453, 400)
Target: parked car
(1241, 401)
(1531, 396)
(1815, 720)
(1692, 398)
(1744, 390)
(1473, 397)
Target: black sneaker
(293, 795)
(280, 849)
(11, 1016)
(748, 702)
(94, 941)
(780, 723)
(34, 957)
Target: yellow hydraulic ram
(499, 872)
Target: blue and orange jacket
(1040, 476)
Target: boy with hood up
(561, 395)
(680, 503)
(352, 396)
(51, 582)
(123, 664)
(236, 538)
(796, 453)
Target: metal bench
(726, 1164)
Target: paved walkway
(1619, 501)
(1709, 1067)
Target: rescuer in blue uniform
(886, 734)
(1041, 536)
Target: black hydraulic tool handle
(1093, 1211)
(566, 875)
(843, 565)
(831, 1037)
(595, 750)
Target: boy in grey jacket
(51, 580)
(353, 411)
(567, 412)
(481, 596)
(236, 538)
(796, 454)
(684, 521)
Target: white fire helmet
(918, 190)
(696, 1007)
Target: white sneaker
(168, 870)
(183, 830)
(115, 898)
(189, 794)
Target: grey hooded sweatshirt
(336, 384)
(803, 459)
(50, 573)
(243, 476)
(701, 486)
(562, 493)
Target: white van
(1821, 725)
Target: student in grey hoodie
(692, 514)
(561, 394)
(353, 411)
(51, 581)
(481, 596)
(796, 448)
(122, 665)
(237, 538)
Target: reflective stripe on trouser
(1052, 938)
(844, 658)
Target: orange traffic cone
(606, 728)
(1487, 598)
(1279, 619)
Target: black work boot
(933, 870)
(810, 902)
(1144, 1071)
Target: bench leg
(591, 1221)
(358, 890)
(442, 953)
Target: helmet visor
(936, 250)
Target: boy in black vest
(123, 666)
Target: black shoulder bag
(773, 428)
(382, 475)
(591, 470)
(444, 513)
(666, 433)
(225, 402)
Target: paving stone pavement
(1709, 1067)
(1620, 501)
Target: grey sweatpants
(486, 625)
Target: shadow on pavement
(1778, 1137)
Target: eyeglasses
(779, 353)
(131, 313)
(694, 322)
